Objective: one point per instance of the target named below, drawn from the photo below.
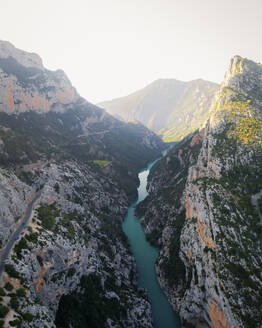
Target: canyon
(69, 172)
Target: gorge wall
(200, 213)
(71, 265)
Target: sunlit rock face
(223, 229)
(26, 85)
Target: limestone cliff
(26, 85)
(221, 219)
(218, 283)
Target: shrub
(32, 237)
(3, 310)
(14, 303)
(20, 246)
(9, 268)
(28, 317)
(15, 323)
(47, 216)
(71, 272)
(48, 222)
(2, 292)
(21, 292)
(8, 286)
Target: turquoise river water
(145, 256)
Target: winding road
(17, 232)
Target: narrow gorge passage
(146, 256)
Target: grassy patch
(100, 164)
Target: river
(146, 256)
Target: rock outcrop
(22, 57)
(26, 85)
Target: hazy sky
(110, 48)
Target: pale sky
(110, 48)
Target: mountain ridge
(168, 107)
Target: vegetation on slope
(29, 137)
(247, 127)
(90, 308)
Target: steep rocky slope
(71, 267)
(74, 247)
(167, 106)
(210, 241)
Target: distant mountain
(169, 107)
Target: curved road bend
(17, 233)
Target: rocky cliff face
(26, 85)
(22, 57)
(218, 283)
(71, 266)
(167, 106)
